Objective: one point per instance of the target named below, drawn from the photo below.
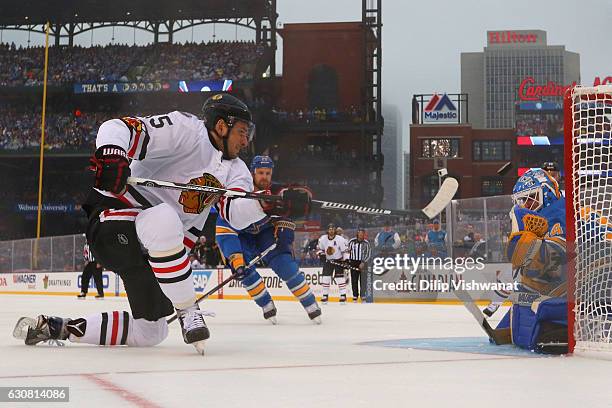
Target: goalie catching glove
(112, 168)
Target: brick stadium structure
(473, 157)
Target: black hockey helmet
(230, 109)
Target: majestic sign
(440, 109)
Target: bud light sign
(440, 109)
(200, 280)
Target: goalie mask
(535, 190)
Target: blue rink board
(474, 345)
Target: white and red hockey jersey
(176, 147)
(334, 249)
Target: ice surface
(252, 363)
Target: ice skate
(269, 312)
(194, 328)
(342, 299)
(324, 299)
(82, 295)
(492, 308)
(314, 313)
(50, 329)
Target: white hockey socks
(173, 272)
(341, 281)
(325, 282)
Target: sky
(423, 40)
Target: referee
(359, 254)
(91, 268)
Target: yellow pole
(42, 148)
(42, 131)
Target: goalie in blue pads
(537, 251)
(240, 245)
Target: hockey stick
(496, 336)
(344, 266)
(326, 205)
(447, 191)
(137, 181)
(329, 205)
(230, 278)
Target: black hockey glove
(322, 258)
(297, 201)
(112, 168)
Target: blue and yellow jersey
(537, 246)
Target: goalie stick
(496, 336)
(445, 195)
(326, 205)
(253, 262)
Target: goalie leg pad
(529, 328)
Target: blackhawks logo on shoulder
(195, 202)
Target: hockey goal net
(588, 187)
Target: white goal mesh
(590, 165)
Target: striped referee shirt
(87, 255)
(359, 250)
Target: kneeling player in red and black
(144, 233)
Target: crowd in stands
(72, 131)
(124, 63)
(351, 114)
(539, 127)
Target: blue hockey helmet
(259, 162)
(535, 190)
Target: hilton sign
(512, 37)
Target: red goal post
(588, 192)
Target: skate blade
(199, 346)
(317, 320)
(21, 328)
(272, 320)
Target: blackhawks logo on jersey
(330, 250)
(194, 202)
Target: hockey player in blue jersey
(239, 246)
(537, 250)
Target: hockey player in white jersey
(144, 234)
(333, 252)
